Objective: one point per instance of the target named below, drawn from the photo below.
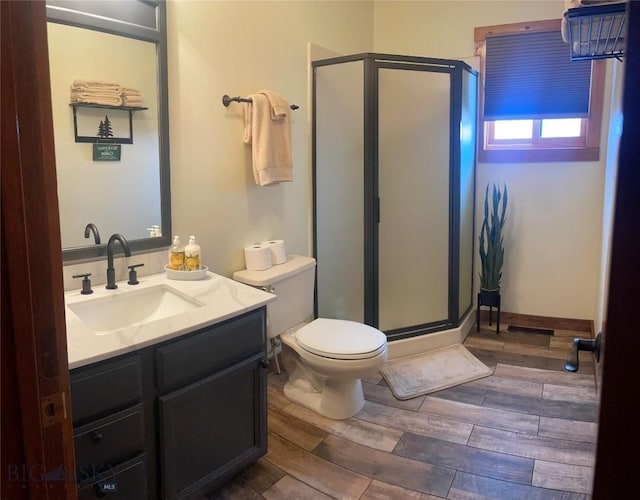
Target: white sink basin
(132, 308)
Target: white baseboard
(429, 342)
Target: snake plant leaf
(491, 241)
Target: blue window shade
(531, 76)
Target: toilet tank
(292, 282)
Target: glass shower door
(468, 115)
(414, 191)
(339, 188)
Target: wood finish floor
(526, 432)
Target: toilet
(325, 358)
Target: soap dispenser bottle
(176, 255)
(192, 255)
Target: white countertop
(221, 298)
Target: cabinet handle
(96, 437)
(264, 363)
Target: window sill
(538, 155)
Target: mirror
(122, 42)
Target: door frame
(37, 433)
(618, 456)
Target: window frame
(537, 141)
(584, 148)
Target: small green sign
(106, 152)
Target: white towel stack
(131, 97)
(96, 92)
(100, 92)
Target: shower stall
(393, 191)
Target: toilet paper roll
(257, 257)
(278, 252)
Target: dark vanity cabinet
(176, 419)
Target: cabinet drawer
(105, 387)
(127, 481)
(108, 441)
(210, 349)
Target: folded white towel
(278, 105)
(130, 91)
(85, 91)
(131, 100)
(587, 48)
(572, 4)
(99, 85)
(270, 142)
(97, 98)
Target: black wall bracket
(589, 345)
(97, 139)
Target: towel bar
(226, 100)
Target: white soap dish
(173, 274)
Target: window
(536, 104)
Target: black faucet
(92, 228)
(111, 272)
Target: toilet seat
(341, 339)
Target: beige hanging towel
(278, 106)
(267, 127)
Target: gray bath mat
(432, 371)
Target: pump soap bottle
(192, 255)
(176, 255)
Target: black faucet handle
(133, 275)
(86, 283)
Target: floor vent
(527, 329)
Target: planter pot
(490, 298)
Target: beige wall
(445, 28)
(237, 48)
(610, 174)
(553, 241)
(553, 234)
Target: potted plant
(491, 248)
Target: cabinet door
(212, 429)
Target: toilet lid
(341, 339)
